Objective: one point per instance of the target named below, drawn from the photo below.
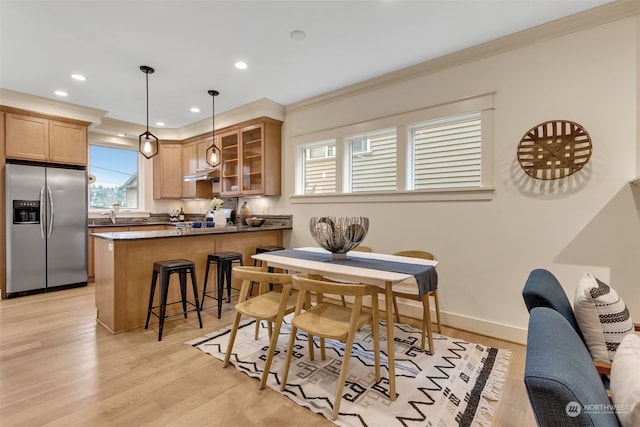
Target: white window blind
(447, 152)
(320, 169)
(373, 162)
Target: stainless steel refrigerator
(46, 223)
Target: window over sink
(116, 172)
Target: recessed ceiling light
(297, 35)
(78, 77)
(159, 123)
(240, 65)
(122, 135)
(195, 110)
(61, 93)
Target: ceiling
(193, 46)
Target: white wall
(588, 222)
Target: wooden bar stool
(164, 269)
(224, 265)
(261, 250)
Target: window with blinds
(373, 162)
(443, 152)
(447, 152)
(319, 169)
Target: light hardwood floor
(59, 368)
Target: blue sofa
(562, 383)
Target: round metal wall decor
(554, 149)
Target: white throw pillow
(625, 381)
(602, 316)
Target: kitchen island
(124, 265)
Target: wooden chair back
(417, 254)
(259, 274)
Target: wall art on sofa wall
(554, 149)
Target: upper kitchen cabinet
(167, 171)
(230, 164)
(188, 168)
(251, 158)
(36, 137)
(201, 154)
(190, 160)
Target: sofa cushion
(625, 381)
(561, 380)
(602, 316)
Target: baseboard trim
(413, 309)
(467, 323)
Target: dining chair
(268, 305)
(409, 289)
(327, 320)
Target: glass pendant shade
(213, 154)
(147, 142)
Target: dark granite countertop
(161, 234)
(131, 224)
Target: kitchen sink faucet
(111, 214)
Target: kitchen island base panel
(124, 268)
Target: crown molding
(262, 107)
(600, 15)
(50, 107)
(102, 127)
(108, 128)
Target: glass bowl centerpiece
(339, 235)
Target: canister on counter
(245, 212)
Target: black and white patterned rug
(459, 386)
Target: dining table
(372, 268)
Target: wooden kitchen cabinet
(230, 164)
(39, 138)
(193, 189)
(251, 158)
(167, 171)
(90, 250)
(201, 143)
(189, 162)
(201, 154)
(67, 143)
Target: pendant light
(147, 142)
(213, 154)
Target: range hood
(213, 176)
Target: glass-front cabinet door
(252, 159)
(230, 165)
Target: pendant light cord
(147, 77)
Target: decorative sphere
(339, 235)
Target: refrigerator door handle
(42, 222)
(50, 210)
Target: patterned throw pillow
(602, 316)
